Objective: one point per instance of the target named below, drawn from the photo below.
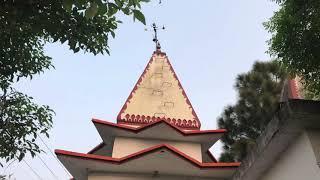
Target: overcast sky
(208, 43)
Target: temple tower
(157, 95)
(157, 136)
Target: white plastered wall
(125, 146)
(298, 162)
(314, 136)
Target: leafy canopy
(25, 27)
(295, 41)
(258, 95)
(21, 122)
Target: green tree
(25, 27)
(258, 95)
(295, 41)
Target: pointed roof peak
(291, 89)
(158, 52)
(158, 94)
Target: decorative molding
(146, 126)
(142, 119)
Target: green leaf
(33, 154)
(92, 10)
(80, 3)
(107, 51)
(126, 10)
(67, 5)
(113, 34)
(21, 156)
(119, 3)
(63, 39)
(72, 44)
(113, 9)
(77, 49)
(138, 14)
(47, 134)
(102, 9)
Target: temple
(157, 135)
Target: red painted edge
(144, 124)
(211, 156)
(294, 91)
(184, 93)
(137, 119)
(145, 152)
(141, 128)
(133, 90)
(96, 148)
(139, 81)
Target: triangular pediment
(158, 94)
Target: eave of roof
(159, 130)
(144, 152)
(96, 148)
(144, 127)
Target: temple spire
(158, 95)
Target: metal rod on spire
(155, 38)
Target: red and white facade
(157, 135)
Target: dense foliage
(258, 95)
(25, 27)
(295, 41)
(21, 122)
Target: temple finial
(155, 38)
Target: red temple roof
(140, 162)
(147, 151)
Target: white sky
(208, 43)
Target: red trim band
(145, 152)
(141, 128)
(294, 91)
(142, 119)
(99, 146)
